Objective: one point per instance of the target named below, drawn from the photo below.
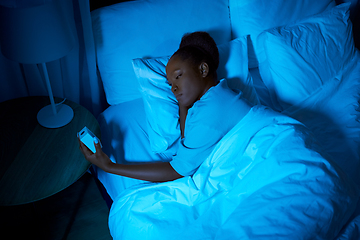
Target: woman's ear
(204, 69)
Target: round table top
(37, 162)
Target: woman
(207, 108)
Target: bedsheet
(266, 179)
(125, 140)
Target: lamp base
(46, 117)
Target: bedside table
(37, 162)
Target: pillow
(298, 59)
(148, 28)
(161, 105)
(233, 66)
(333, 115)
(251, 17)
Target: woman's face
(187, 82)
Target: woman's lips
(177, 96)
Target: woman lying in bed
(204, 104)
(241, 171)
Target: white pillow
(161, 107)
(333, 115)
(234, 67)
(251, 17)
(149, 28)
(298, 59)
(160, 104)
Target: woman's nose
(173, 88)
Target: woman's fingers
(84, 149)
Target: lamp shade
(34, 35)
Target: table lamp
(37, 35)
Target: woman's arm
(182, 115)
(153, 172)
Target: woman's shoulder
(220, 97)
(218, 93)
(218, 103)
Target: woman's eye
(177, 77)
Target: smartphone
(87, 137)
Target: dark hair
(199, 47)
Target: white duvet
(266, 179)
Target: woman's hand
(154, 172)
(99, 158)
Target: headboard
(95, 4)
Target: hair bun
(202, 41)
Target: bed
(288, 170)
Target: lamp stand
(53, 116)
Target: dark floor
(78, 212)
